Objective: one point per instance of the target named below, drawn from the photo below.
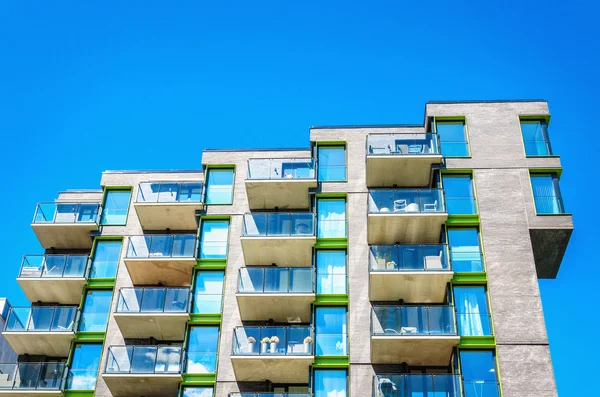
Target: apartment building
(382, 261)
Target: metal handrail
(410, 329)
(43, 271)
(310, 230)
(141, 198)
(265, 348)
(14, 372)
(426, 253)
(402, 144)
(30, 318)
(406, 200)
(263, 278)
(40, 216)
(122, 301)
(148, 240)
(130, 351)
(277, 173)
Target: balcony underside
(65, 291)
(283, 251)
(53, 344)
(160, 326)
(277, 369)
(411, 286)
(174, 216)
(170, 272)
(419, 350)
(284, 307)
(405, 228)
(29, 392)
(549, 246)
(64, 235)
(401, 170)
(148, 385)
(280, 193)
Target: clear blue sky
(148, 85)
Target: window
(330, 383)
(460, 198)
(331, 272)
(208, 292)
(116, 206)
(197, 391)
(332, 163)
(478, 368)
(453, 138)
(472, 311)
(202, 350)
(83, 370)
(535, 138)
(465, 251)
(106, 259)
(546, 194)
(213, 240)
(219, 189)
(95, 311)
(331, 331)
(332, 217)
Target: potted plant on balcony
(264, 345)
(274, 341)
(307, 344)
(251, 342)
(380, 260)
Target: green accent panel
(215, 217)
(476, 342)
(89, 337)
(199, 319)
(118, 187)
(210, 264)
(199, 379)
(463, 220)
(469, 278)
(221, 166)
(332, 243)
(536, 117)
(331, 143)
(331, 362)
(103, 283)
(557, 171)
(331, 299)
(331, 195)
(79, 393)
(456, 171)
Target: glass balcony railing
(273, 341)
(33, 376)
(170, 192)
(299, 168)
(279, 224)
(276, 280)
(159, 245)
(270, 394)
(412, 320)
(54, 266)
(401, 385)
(42, 319)
(66, 213)
(145, 360)
(154, 300)
(402, 144)
(409, 257)
(481, 388)
(402, 201)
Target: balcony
(277, 354)
(65, 225)
(413, 273)
(417, 335)
(168, 205)
(54, 278)
(401, 159)
(286, 239)
(401, 385)
(160, 313)
(41, 330)
(280, 183)
(151, 371)
(282, 294)
(161, 259)
(409, 216)
(32, 379)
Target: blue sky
(149, 85)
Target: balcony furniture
(384, 209)
(430, 207)
(401, 148)
(399, 205)
(415, 149)
(434, 262)
(390, 331)
(391, 265)
(412, 207)
(377, 150)
(408, 330)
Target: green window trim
(219, 168)
(323, 173)
(116, 189)
(452, 119)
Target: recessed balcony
(166, 259)
(286, 239)
(277, 354)
(65, 225)
(280, 294)
(401, 159)
(159, 313)
(33, 379)
(41, 330)
(280, 183)
(408, 216)
(417, 335)
(413, 273)
(168, 205)
(409, 385)
(54, 278)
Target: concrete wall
(7, 355)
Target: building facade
(383, 261)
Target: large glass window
(197, 391)
(478, 368)
(95, 311)
(331, 272)
(546, 194)
(535, 138)
(330, 383)
(116, 206)
(219, 189)
(83, 370)
(208, 292)
(331, 217)
(106, 259)
(213, 240)
(453, 138)
(460, 197)
(332, 163)
(465, 250)
(472, 311)
(331, 331)
(202, 350)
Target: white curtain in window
(469, 314)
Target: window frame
(72, 357)
(460, 174)
(313, 378)
(539, 118)
(186, 347)
(479, 239)
(194, 294)
(452, 119)
(93, 255)
(206, 187)
(555, 175)
(332, 145)
(107, 191)
(86, 294)
(201, 241)
(347, 320)
(317, 274)
(487, 303)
